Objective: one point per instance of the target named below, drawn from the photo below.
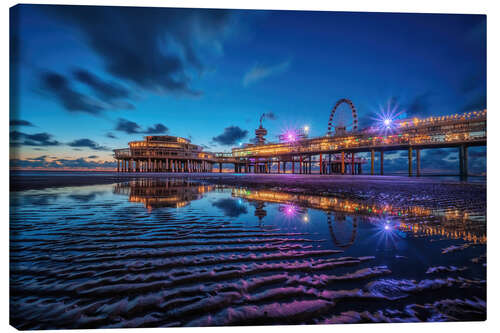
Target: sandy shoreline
(397, 190)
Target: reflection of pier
(160, 193)
(451, 224)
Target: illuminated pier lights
(297, 152)
(336, 153)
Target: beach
(122, 250)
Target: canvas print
(220, 167)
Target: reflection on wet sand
(87, 258)
(418, 220)
(153, 193)
(451, 224)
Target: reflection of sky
(406, 255)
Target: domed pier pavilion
(163, 153)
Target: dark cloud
(42, 162)
(131, 127)
(269, 115)
(40, 158)
(156, 129)
(476, 103)
(155, 48)
(472, 82)
(230, 207)
(230, 136)
(39, 139)
(92, 156)
(73, 101)
(420, 106)
(17, 122)
(111, 135)
(87, 143)
(105, 90)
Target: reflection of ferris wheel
(343, 118)
(340, 222)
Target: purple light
(386, 227)
(290, 210)
(290, 137)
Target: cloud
(87, 143)
(230, 136)
(111, 135)
(268, 115)
(17, 122)
(420, 105)
(61, 163)
(476, 103)
(73, 101)
(39, 139)
(259, 72)
(156, 129)
(154, 48)
(92, 156)
(105, 90)
(131, 127)
(230, 207)
(472, 82)
(109, 96)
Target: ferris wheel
(343, 118)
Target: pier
(335, 153)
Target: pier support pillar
(382, 162)
(372, 171)
(320, 164)
(220, 167)
(293, 164)
(466, 162)
(342, 161)
(463, 161)
(410, 161)
(352, 163)
(418, 162)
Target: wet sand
(112, 256)
(394, 190)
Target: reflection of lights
(306, 128)
(306, 218)
(290, 210)
(387, 122)
(387, 227)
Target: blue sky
(91, 79)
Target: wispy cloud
(259, 72)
